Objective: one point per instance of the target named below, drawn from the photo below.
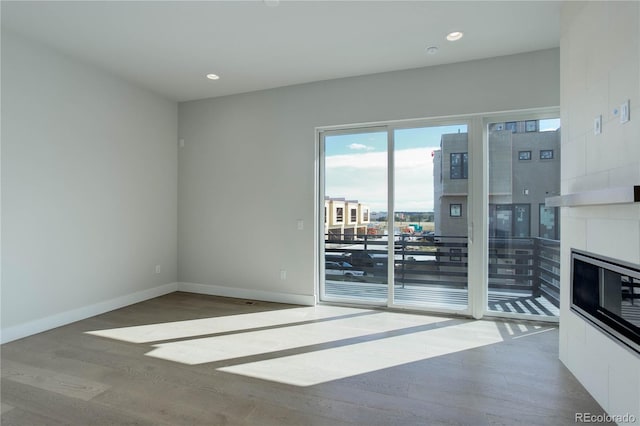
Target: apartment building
(524, 170)
(345, 219)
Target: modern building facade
(344, 219)
(524, 169)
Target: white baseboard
(63, 318)
(244, 293)
(37, 326)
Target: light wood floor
(186, 359)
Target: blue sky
(404, 139)
(356, 166)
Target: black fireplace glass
(585, 287)
(606, 292)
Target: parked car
(337, 257)
(361, 259)
(429, 236)
(343, 269)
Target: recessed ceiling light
(213, 77)
(432, 50)
(455, 35)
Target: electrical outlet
(624, 111)
(283, 274)
(597, 125)
(181, 143)
(300, 224)
(157, 269)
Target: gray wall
(452, 191)
(501, 167)
(247, 171)
(541, 178)
(453, 144)
(89, 189)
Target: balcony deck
(524, 273)
(441, 297)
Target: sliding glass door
(430, 175)
(394, 216)
(447, 216)
(355, 198)
(523, 248)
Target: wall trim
(63, 318)
(245, 293)
(30, 328)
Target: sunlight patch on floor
(322, 366)
(224, 324)
(219, 348)
(285, 343)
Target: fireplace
(606, 292)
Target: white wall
(89, 190)
(247, 171)
(600, 68)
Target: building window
(512, 126)
(365, 215)
(354, 215)
(459, 165)
(455, 210)
(524, 155)
(546, 154)
(548, 222)
(522, 220)
(339, 214)
(502, 224)
(531, 126)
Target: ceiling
(169, 46)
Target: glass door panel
(524, 265)
(430, 175)
(354, 264)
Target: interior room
(184, 242)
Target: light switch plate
(624, 112)
(597, 125)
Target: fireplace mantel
(620, 195)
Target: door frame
(390, 127)
(319, 252)
(477, 204)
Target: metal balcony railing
(529, 267)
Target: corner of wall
(251, 294)
(10, 334)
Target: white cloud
(368, 160)
(363, 177)
(361, 147)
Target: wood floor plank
(5, 408)
(57, 409)
(64, 384)
(18, 417)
